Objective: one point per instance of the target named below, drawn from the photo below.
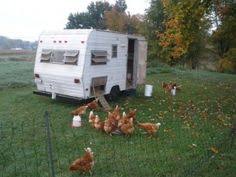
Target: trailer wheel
(114, 93)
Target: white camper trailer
(81, 63)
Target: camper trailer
(84, 63)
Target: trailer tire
(114, 93)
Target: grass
(193, 122)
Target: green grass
(201, 114)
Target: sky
(26, 19)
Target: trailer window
(58, 56)
(71, 57)
(98, 57)
(114, 51)
(46, 56)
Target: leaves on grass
(214, 150)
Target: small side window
(46, 56)
(98, 57)
(71, 57)
(114, 51)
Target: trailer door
(142, 61)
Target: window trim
(97, 54)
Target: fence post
(49, 143)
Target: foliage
(228, 62)
(94, 18)
(6, 43)
(120, 6)
(123, 22)
(225, 34)
(184, 29)
(154, 22)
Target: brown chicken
(128, 127)
(80, 110)
(98, 124)
(116, 113)
(93, 105)
(169, 86)
(150, 128)
(125, 124)
(91, 118)
(132, 114)
(85, 163)
(111, 124)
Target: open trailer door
(142, 61)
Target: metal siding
(115, 68)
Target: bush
(228, 63)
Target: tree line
(177, 30)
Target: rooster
(93, 104)
(80, 110)
(150, 128)
(85, 163)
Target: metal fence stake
(49, 143)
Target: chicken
(110, 124)
(92, 118)
(150, 128)
(85, 163)
(98, 124)
(125, 124)
(123, 120)
(167, 86)
(116, 113)
(93, 104)
(80, 110)
(132, 114)
(128, 127)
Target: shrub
(227, 64)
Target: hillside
(7, 43)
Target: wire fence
(36, 148)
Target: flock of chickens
(114, 123)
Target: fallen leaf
(215, 150)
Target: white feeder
(173, 91)
(76, 121)
(54, 95)
(148, 90)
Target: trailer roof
(87, 31)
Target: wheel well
(115, 87)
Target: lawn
(193, 139)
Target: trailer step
(104, 102)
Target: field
(194, 139)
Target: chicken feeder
(148, 90)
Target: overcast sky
(26, 19)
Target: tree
(94, 18)
(120, 6)
(154, 22)
(184, 29)
(225, 34)
(123, 22)
(79, 20)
